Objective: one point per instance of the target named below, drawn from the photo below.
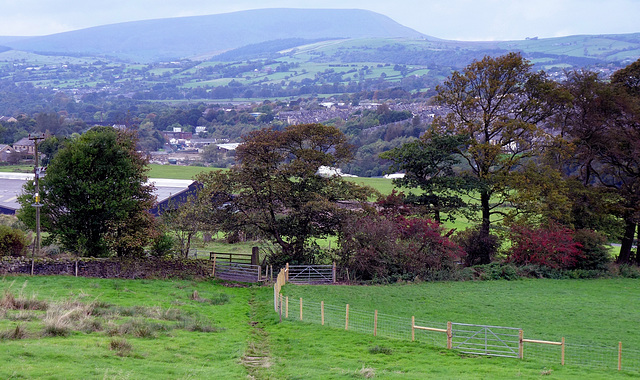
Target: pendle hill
(345, 35)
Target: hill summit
(183, 37)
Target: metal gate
(486, 340)
(311, 274)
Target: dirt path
(257, 357)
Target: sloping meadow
(66, 327)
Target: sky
(470, 20)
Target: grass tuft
(141, 328)
(197, 325)
(23, 315)
(380, 350)
(19, 332)
(10, 302)
(367, 372)
(121, 346)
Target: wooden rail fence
(239, 267)
(477, 339)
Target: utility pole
(37, 205)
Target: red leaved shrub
(382, 247)
(552, 247)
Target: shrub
(12, 241)
(552, 247)
(388, 248)
(595, 250)
(497, 271)
(480, 248)
(162, 245)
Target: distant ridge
(183, 37)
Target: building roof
(24, 142)
(11, 186)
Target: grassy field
(242, 335)
(583, 311)
(17, 168)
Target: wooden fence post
(562, 352)
(286, 308)
(375, 323)
(286, 273)
(76, 267)
(334, 273)
(449, 336)
(213, 270)
(520, 344)
(619, 356)
(346, 319)
(280, 308)
(322, 312)
(413, 328)
(255, 258)
(300, 308)
(275, 296)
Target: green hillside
(175, 38)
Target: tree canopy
(500, 104)
(94, 195)
(276, 191)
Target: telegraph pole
(37, 205)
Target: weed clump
(120, 346)
(380, 350)
(19, 332)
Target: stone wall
(109, 268)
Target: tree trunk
(627, 242)
(486, 212)
(637, 248)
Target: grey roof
(11, 186)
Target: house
(5, 152)
(168, 135)
(25, 146)
(8, 119)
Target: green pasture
(176, 171)
(248, 339)
(598, 311)
(171, 353)
(17, 168)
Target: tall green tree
(429, 165)
(94, 195)
(604, 126)
(275, 188)
(501, 105)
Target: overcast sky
(449, 19)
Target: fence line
(439, 334)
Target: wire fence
(614, 358)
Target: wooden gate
(237, 266)
(486, 340)
(237, 272)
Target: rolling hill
(183, 37)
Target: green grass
(17, 168)
(248, 330)
(176, 171)
(311, 351)
(584, 311)
(177, 353)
